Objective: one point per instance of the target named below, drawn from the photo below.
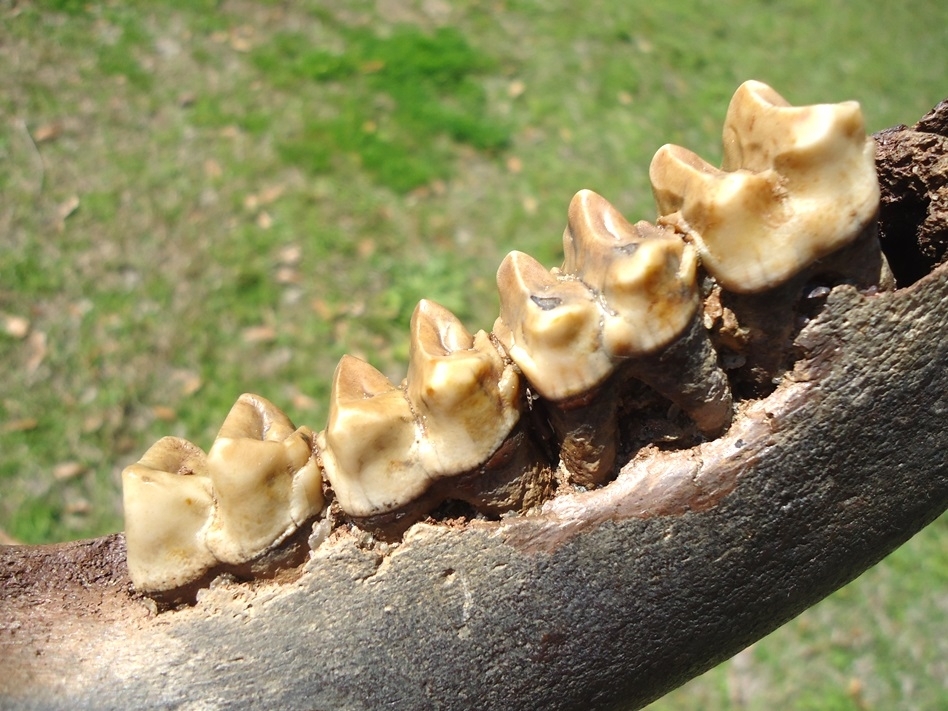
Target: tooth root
(799, 183)
(551, 327)
(369, 447)
(168, 506)
(266, 480)
(687, 373)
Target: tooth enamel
(266, 480)
(798, 183)
(551, 327)
(369, 446)
(645, 274)
(168, 506)
(460, 387)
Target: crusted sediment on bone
(266, 480)
(168, 501)
(395, 452)
(797, 184)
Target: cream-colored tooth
(369, 448)
(168, 503)
(645, 274)
(458, 384)
(266, 478)
(647, 278)
(551, 326)
(468, 398)
(798, 184)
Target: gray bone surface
(605, 599)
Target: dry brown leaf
(37, 344)
(24, 424)
(259, 334)
(15, 326)
(48, 132)
(164, 413)
(69, 470)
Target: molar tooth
(168, 505)
(798, 183)
(646, 276)
(793, 208)
(266, 480)
(551, 325)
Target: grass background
(202, 199)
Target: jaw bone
(188, 514)
(790, 214)
(625, 295)
(625, 305)
(394, 453)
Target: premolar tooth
(168, 503)
(469, 400)
(798, 183)
(551, 325)
(266, 480)
(460, 387)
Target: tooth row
(187, 512)
(498, 420)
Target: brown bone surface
(604, 599)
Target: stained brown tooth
(551, 327)
(369, 448)
(794, 206)
(458, 384)
(646, 277)
(798, 183)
